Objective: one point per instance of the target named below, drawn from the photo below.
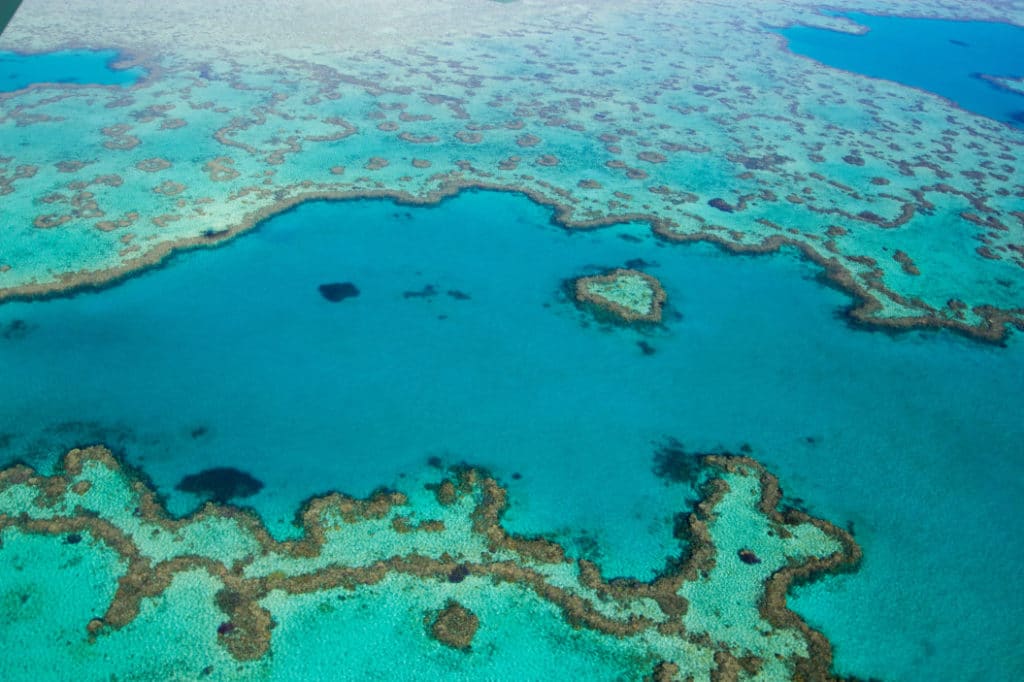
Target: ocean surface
(463, 344)
(79, 67)
(945, 57)
(912, 438)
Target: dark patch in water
(434, 461)
(674, 464)
(796, 503)
(15, 330)
(68, 434)
(516, 475)
(73, 538)
(588, 546)
(199, 432)
(959, 42)
(681, 524)
(458, 574)
(647, 348)
(458, 295)
(747, 556)
(220, 484)
(338, 291)
(428, 291)
(225, 628)
(630, 238)
(640, 263)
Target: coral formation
(455, 626)
(670, 617)
(788, 154)
(630, 295)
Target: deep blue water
(85, 67)
(231, 357)
(942, 57)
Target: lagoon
(80, 67)
(232, 357)
(943, 57)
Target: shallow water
(309, 395)
(80, 67)
(941, 56)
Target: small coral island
(123, 571)
(629, 295)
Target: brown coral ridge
(247, 629)
(585, 296)
(993, 327)
(773, 605)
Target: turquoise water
(940, 56)
(455, 341)
(82, 67)
(913, 439)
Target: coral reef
(455, 625)
(350, 544)
(630, 295)
(789, 156)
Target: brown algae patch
(630, 295)
(459, 543)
